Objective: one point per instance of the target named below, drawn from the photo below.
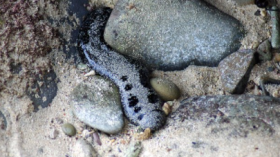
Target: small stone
(59, 120)
(275, 32)
(69, 129)
(82, 66)
(83, 149)
(276, 57)
(166, 89)
(53, 133)
(257, 13)
(97, 104)
(3, 122)
(276, 93)
(166, 108)
(263, 13)
(134, 150)
(270, 69)
(91, 73)
(86, 133)
(264, 50)
(235, 70)
(96, 138)
(143, 135)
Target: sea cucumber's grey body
(140, 103)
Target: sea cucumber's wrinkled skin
(140, 103)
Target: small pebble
(69, 129)
(276, 57)
(91, 73)
(257, 13)
(166, 89)
(96, 138)
(275, 38)
(53, 133)
(276, 93)
(264, 50)
(3, 122)
(263, 13)
(166, 108)
(143, 135)
(83, 149)
(59, 120)
(134, 150)
(82, 66)
(270, 69)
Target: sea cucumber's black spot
(140, 117)
(137, 109)
(124, 78)
(132, 101)
(128, 87)
(153, 98)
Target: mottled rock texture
(242, 114)
(98, 104)
(235, 70)
(171, 35)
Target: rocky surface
(245, 114)
(172, 35)
(235, 70)
(97, 103)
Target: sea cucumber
(141, 104)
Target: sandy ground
(24, 132)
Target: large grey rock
(97, 103)
(171, 35)
(235, 70)
(238, 115)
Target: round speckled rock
(69, 129)
(166, 89)
(97, 103)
